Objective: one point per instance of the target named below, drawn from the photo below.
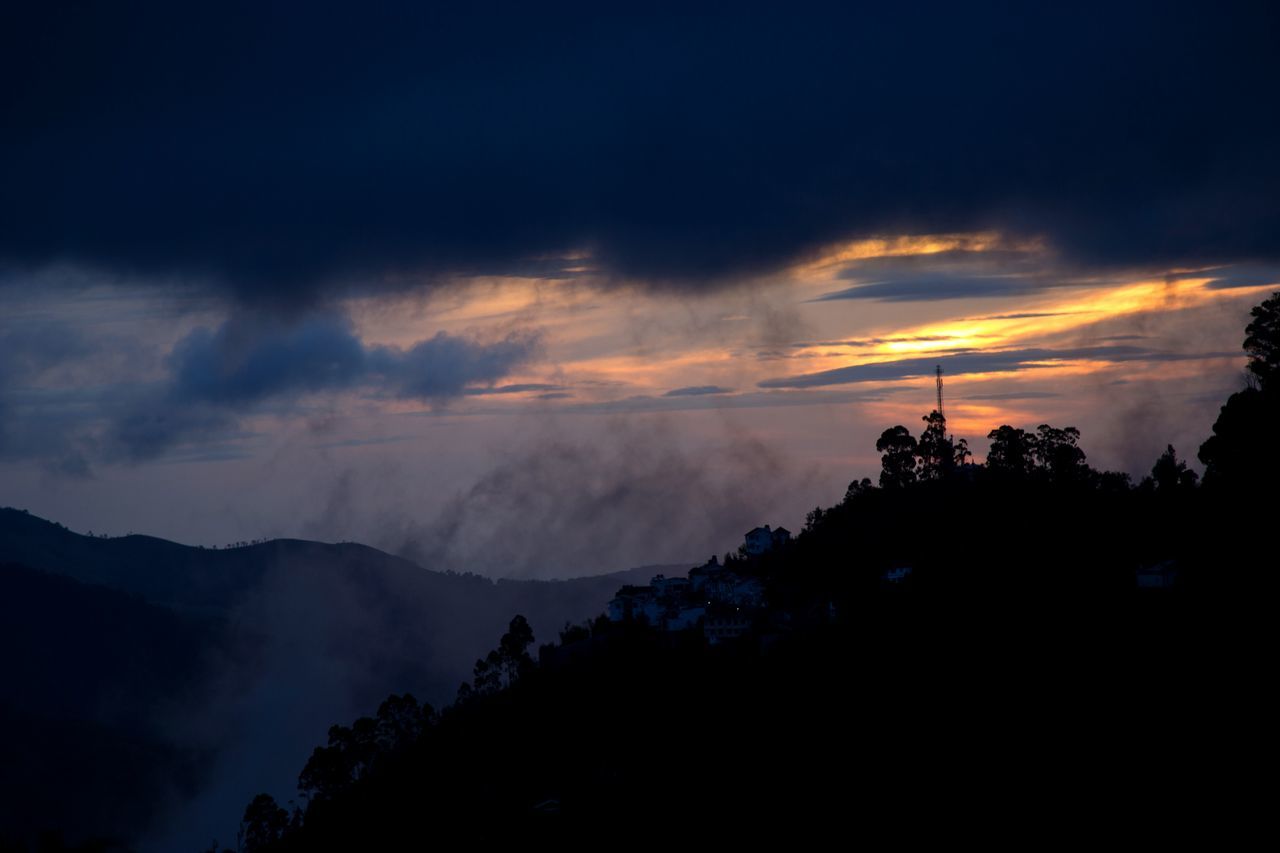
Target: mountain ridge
(278, 639)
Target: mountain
(172, 683)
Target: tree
(1262, 341)
(1170, 475)
(1057, 453)
(898, 459)
(1011, 451)
(858, 487)
(263, 824)
(505, 665)
(513, 649)
(487, 673)
(353, 752)
(934, 448)
(1240, 453)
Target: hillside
(218, 665)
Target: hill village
(715, 597)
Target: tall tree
(1262, 341)
(513, 649)
(1241, 452)
(1012, 451)
(898, 458)
(1057, 453)
(1170, 474)
(263, 824)
(934, 448)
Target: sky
(545, 290)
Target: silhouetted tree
(961, 453)
(263, 824)
(858, 487)
(1114, 482)
(1239, 454)
(487, 673)
(504, 665)
(513, 649)
(1262, 341)
(898, 459)
(1057, 453)
(1012, 451)
(934, 448)
(1170, 474)
(352, 752)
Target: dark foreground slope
(911, 726)
(149, 685)
(1070, 658)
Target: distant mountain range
(151, 688)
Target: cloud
(279, 157)
(1005, 361)
(219, 375)
(38, 419)
(936, 287)
(250, 359)
(1245, 277)
(520, 388)
(697, 391)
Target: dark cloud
(39, 421)
(1005, 361)
(1245, 278)
(936, 287)
(279, 151)
(697, 391)
(1029, 315)
(218, 375)
(246, 360)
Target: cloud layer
(1002, 361)
(280, 152)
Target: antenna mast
(939, 375)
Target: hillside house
(726, 626)
(762, 539)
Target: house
(725, 626)
(762, 539)
(630, 602)
(731, 588)
(665, 587)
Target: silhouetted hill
(90, 675)
(209, 665)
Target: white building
(762, 539)
(726, 626)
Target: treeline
(1016, 685)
